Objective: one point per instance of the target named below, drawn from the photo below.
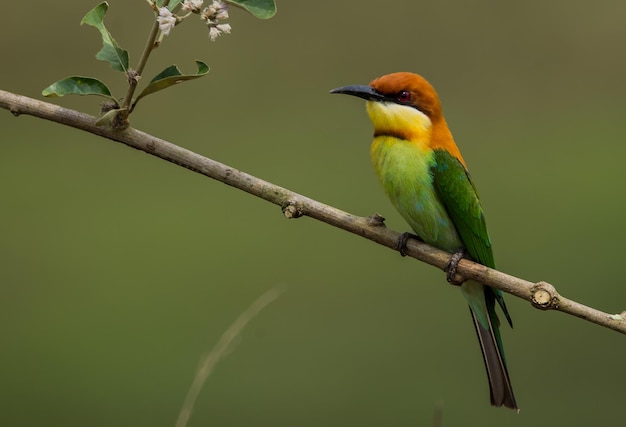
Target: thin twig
(542, 295)
(143, 60)
(221, 349)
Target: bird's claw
(404, 237)
(452, 265)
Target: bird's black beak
(362, 91)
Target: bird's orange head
(411, 90)
(404, 105)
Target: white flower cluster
(166, 20)
(193, 5)
(213, 14)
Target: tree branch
(541, 295)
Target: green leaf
(263, 9)
(77, 85)
(170, 77)
(110, 52)
(114, 118)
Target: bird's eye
(404, 96)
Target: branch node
(544, 296)
(108, 105)
(291, 209)
(375, 220)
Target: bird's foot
(452, 265)
(404, 237)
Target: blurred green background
(118, 271)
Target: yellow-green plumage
(404, 170)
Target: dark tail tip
(499, 382)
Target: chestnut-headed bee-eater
(425, 177)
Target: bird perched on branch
(425, 177)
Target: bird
(426, 179)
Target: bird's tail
(499, 382)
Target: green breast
(404, 170)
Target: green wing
(460, 199)
(458, 195)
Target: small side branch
(541, 295)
